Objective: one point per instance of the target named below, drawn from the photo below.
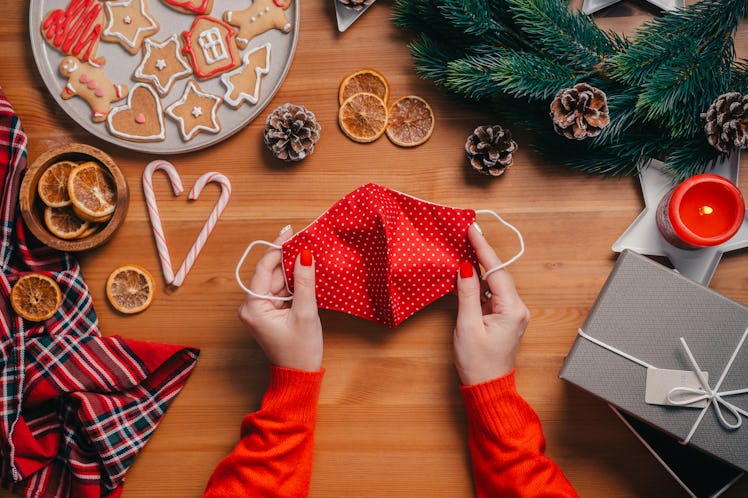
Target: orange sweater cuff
(293, 393)
(498, 406)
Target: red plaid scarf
(76, 408)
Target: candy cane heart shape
(150, 201)
(158, 232)
(210, 223)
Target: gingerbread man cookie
(243, 84)
(261, 16)
(75, 30)
(128, 23)
(88, 81)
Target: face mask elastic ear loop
(519, 236)
(241, 262)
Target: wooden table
(391, 421)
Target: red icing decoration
(84, 78)
(140, 118)
(74, 30)
(191, 5)
(189, 50)
(91, 84)
(99, 92)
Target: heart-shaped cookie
(141, 119)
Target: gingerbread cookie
(196, 111)
(75, 30)
(141, 119)
(261, 16)
(128, 23)
(162, 64)
(199, 7)
(211, 47)
(88, 81)
(243, 84)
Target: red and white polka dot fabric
(383, 255)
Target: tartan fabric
(76, 408)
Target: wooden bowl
(32, 208)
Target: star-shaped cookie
(128, 23)
(162, 64)
(196, 111)
(243, 83)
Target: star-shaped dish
(592, 6)
(347, 16)
(644, 237)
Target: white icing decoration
(127, 20)
(108, 31)
(162, 87)
(161, 135)
(267, 8)
(259, 71)
(161, 64)
(192, 88)
(197, 111)
(211, 42)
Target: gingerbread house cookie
(211, 47)
(128, 23)
(75, 30)
(196, 111)
(199, 7)
(243, 84)
(261, 16)
(89, 82)
(162, 64)
(141, 119)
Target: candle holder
(644, 237)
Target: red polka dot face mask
(382, 255)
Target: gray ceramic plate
(120, 66)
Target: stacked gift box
(648, 320)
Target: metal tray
(120, 65)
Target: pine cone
(489, 149)
(726, 122)
(356, 4)
(291, 132)
(580, 112)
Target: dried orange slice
(363, 117)
(35, 297)
(53, 184)
(410, 122)
(130, 289)
(64, 223)
(364, 81)
(92, 192)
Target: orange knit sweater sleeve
(507, 444)
(274, 456)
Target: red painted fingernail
(306, 257)
(466, 269)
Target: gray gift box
(640, 316)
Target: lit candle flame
(705, 210)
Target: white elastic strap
(519, 236)
(241, 262)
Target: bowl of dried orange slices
(74, 197)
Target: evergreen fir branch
(432, 59)
(665, 38)
(472, 17)
(520, 75)
(739, 77)
(558, 32)
(684, 87)
(691, 157)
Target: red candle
(705, 210)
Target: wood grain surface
(391, 421)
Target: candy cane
(150, 200)
(210, 223)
